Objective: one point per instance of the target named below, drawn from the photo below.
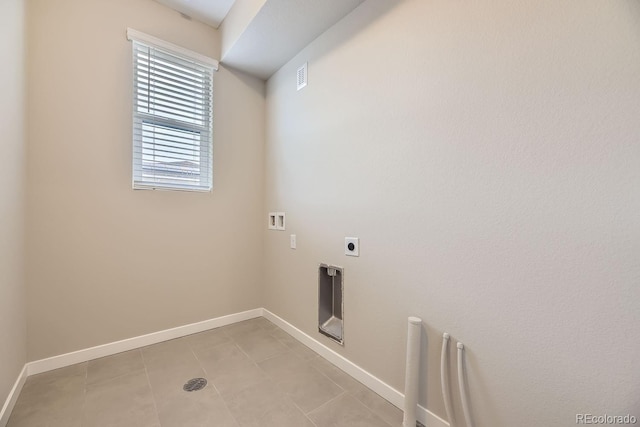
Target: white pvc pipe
(463, 387)
(444, 379)
(412, 372)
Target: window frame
(158, 179)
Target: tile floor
(258, 376)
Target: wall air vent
(301, 76)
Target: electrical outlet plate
(352, 246)
(292, 241)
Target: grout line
(297, 407)
(206, 374)
(153, 395)
(84, 395)
(370, 407)
(106, 380)
(224, 402)
(273, 356)
(313, 368)
(274, 380)
(328, 377)
(235, 343)
(244, 352)
(349, 394)
(327, 402)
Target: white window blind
(172, 120)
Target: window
(172, 116)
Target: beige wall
(13, 331)
(106, 262)
(487, 154)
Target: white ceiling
(210, 12)
(260, 36)
(279, 30)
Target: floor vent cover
(195, 384)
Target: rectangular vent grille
(301, 76)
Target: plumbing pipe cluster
(412, 374)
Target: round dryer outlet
(352, 246)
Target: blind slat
(178, 95)
(168, 143)
(162, 70)
(161, 110)
(157, 98)
(158, 76)
(168, 84)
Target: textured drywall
(487, 154)
(106, 262)
(13, 326)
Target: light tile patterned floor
(258, 377)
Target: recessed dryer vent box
(330, 302)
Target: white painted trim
(426, 417)
(87, 354)
(5, 413)
(156, 42)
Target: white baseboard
(5, 413)
(426, 417)
(87, 354)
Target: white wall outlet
(292, 241)
(280, 221)
(352, 246)
(273, 218)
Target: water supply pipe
(444, 379)
(463, 386)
